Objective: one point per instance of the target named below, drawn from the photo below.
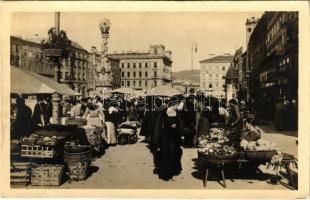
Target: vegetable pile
(259, 145)
(215, 149)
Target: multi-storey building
(27, 54)
(145, 70)
(213, 73)
(273, 59)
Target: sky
(214, 32)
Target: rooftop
(137, 55)
(231, 73)
(38, 40)
(218, 59)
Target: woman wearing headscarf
(203, 124)
(111, 122)
(170, 152)
(95, 117)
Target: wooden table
(214, 164)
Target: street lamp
(56, 49)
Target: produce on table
(35, 139)
(218, 133)
(215, 149)
(259, 145)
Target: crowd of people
(166, 123)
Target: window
(155, 74)
(155, 83)
(223, 77)
(122, 65)
(145, 74)
(62, 75)
(134, 83)
(66, 75)
(210, 85)
(223, 68)
(123, 74)
(134, 74)
(146, 65)
(128, 65)
(287, 60)
(155, 64)
(140, 74)
(145, 83)
(128, 74)
(134, 65)
(140, 65)
(140, 83)
(128, 83)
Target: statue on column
(102, 71)
(104, 28)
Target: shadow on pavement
(247, 171)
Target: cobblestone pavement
(131, 166)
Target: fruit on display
(217, 133)
(204, 140)
(35, 139)
(216, 149)
(259, 145)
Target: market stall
(220, 148)
(51, 154)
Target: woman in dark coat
(170, 152)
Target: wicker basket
(76, 121)
(217, 159)
(78, 171)
(20, 173)
(78, 153)
(260, 156)
(47, 175)
(93, 135)
(37, 151)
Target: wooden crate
(20, 173)
(47, 175)
(37, 151)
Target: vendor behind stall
(22, 123)
(38, 113)
(76, 108)
(235, 119)
(253, 133)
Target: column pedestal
(56, 107)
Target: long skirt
(203, 128)
(111, 133)
(170, 154)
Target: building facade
(28, 54)
(213, 73)
(273, 59)
(143, 71)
